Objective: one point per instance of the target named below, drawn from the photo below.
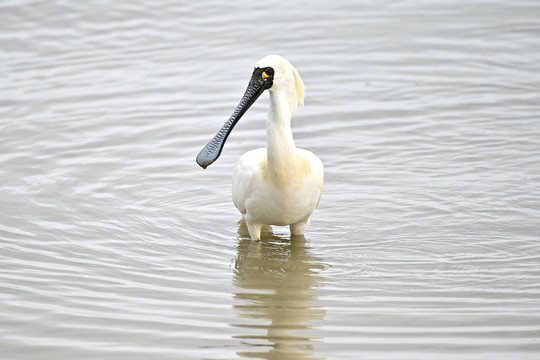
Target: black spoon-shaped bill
(255, 88)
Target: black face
(264, 77)
(261, 79)
(268, 76)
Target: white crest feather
(299, 87)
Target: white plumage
(279, 184)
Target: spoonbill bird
(280, 184)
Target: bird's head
(273, 73)
(285, 79)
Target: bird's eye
(269, 72)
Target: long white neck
(281, 149)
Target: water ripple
(116, 244)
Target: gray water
(114, 244)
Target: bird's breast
(285, 171)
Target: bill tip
(204, 164)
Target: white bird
(280, 184)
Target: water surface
(115, 244)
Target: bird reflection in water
(277, 280)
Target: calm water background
(114, 244)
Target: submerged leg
(299, 228)
(254, 231)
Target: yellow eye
(267, 73)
